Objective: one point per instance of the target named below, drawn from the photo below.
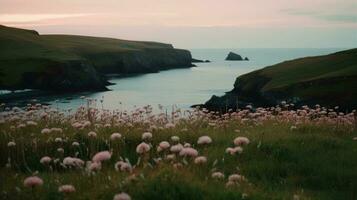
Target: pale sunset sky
(194, 23)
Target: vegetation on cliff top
(68, 62)
(329, 80)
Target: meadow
(280, 152)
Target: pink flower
(234, 150)
(238, 141)
(96, 166)
(217, 175)
(92, 134)
(73, 162)
(146, 136)
(101, 156)
(33, 181)
(164, 145)
(122, 196)
(45, 160)
(176, 148)
(188, 151)
(142, 148)
(235, 178)
(11, 144)
(204, 140)
(123, 166)
(115, 136)
(200, 160)
(66, 189)
(46, 131)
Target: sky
(194, 23)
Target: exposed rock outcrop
(329, 80)
(77, 63)
(235, 57)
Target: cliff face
(142, 61)
(29, 60)
(329, 80)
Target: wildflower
(204, 140)
(146, 136)
(46, 131)
(217, 175)
(73, 162)
(56, 130)
(92, 134)
(187, 145)
(122, 196)
(177, 165)
(175, 138)
(169, 125)
(142, 148)
(191, 152)
(11, 144)
(164, 145)
(95, 166)
(45, 160)
(176, 148)
(235, 178)
(60, 150)
(234, 150)
(31, 123)
(170, 157)
(33, 181)
(123, 166)
(245, 195)
(66, 189)
(200, 160)
(101, 156)
(75, 144)
(58, 140)
(230, 184)
(355, 138)
(115, 136)
(238, 141)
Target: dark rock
(235, 57)
(199, 61)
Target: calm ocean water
(186, 87)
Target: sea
(182, 88)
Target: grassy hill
(68, 62)
(329, 80)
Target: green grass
(313, 161)
(23, 51)
(329, 80)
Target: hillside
(29, 60)
(329, 80)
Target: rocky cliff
(329, 80)
(29, 60)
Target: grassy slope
(323, 78)
(27, 51)
(315, 162)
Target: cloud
(31, 18)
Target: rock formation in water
(199, 61)
(235, 57)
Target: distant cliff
(329, 80)
(29, 60)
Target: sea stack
(235, 57)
